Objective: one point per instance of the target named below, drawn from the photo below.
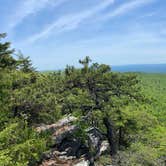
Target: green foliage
(34, 97)
(6, 60)
(25, 64)
(20, 145)
(137, 155)
(104, 160)
(154, 87)
(129, 108)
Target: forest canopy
(128, 108)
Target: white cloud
(73, 21)
(125, 8)
(69, 22)
(29, 7)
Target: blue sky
(59, 32)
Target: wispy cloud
(70, 22)
(151, 14)
(29, 7)
(125, 8)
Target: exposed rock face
(68, 150)
(95, 137)
(97, 142)
(82, 163)
(104, 147)
(62, 133)
(69, 162)
(63, 122)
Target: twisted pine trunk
(110, 136)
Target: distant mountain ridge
(146, 68)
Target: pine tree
(6, 59)
(109, 93)
(25, 64)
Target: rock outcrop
(53, 127)
(97, 142)
(67, 150)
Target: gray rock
(63, 133)
(95, 137)
(95, 140)
(53, 127)
(82, 163)
(68, 149)
(104, 147)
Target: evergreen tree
(107, 92)
(113, 102)
(6, 59)
(25, 64)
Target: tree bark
(120, 138)
(110, 136)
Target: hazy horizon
(144, 68)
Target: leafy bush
(20, 145)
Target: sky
(55, 33)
